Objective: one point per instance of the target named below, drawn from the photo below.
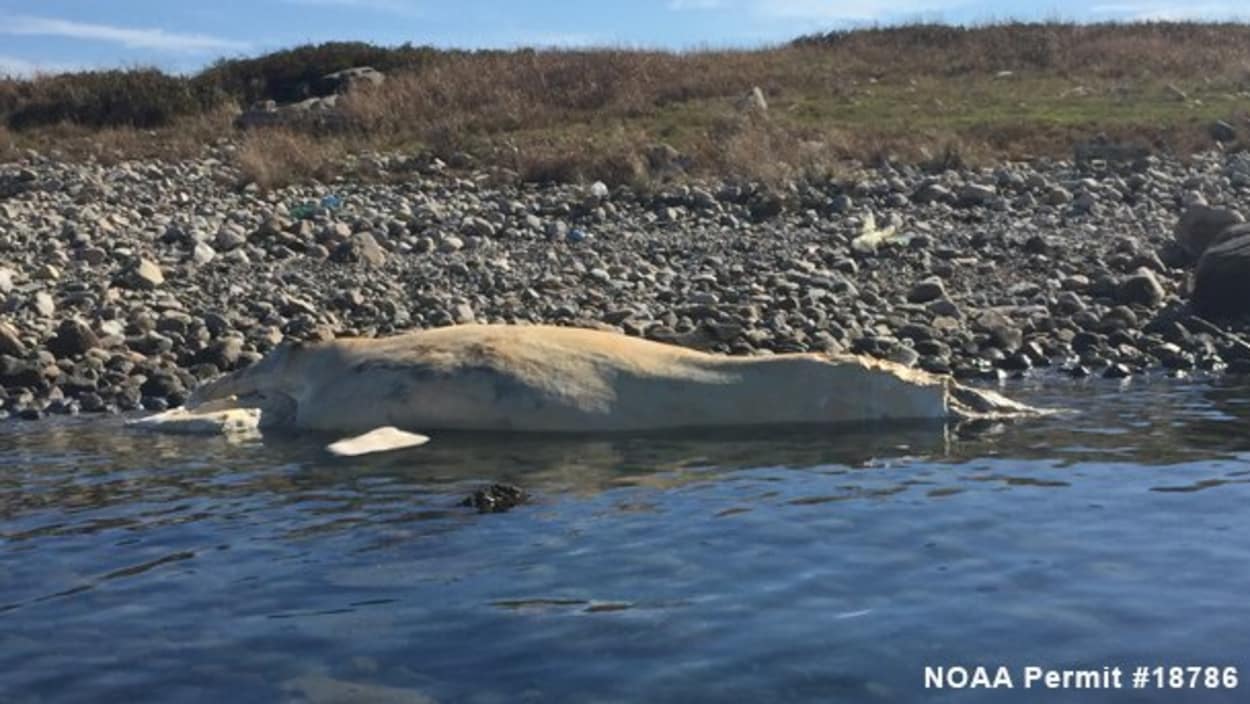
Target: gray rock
(229, 237)
(202, 254)
(360, 247)
(143, 274)
(463, 314)
(10, 342)
(1222, 280)
(42, 304)
(975, 194)
(1201, 225)
(1141, 288)
(223, 354)
(1221, 131)
(73, 337)
(927, 290)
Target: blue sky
(50, 35)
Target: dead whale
(557, 379)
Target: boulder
(1222, 281)
(73, 337)
(1200, 225)
(351, 78)
(753, 101)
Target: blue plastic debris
(331, 202)
(577, 235)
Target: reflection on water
(780, 565)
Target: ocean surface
(790, 565)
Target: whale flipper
(376, 440)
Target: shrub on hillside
(132, 98)
(295, 74)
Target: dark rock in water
(495, 498)
(1142, 288)
(1222, 282)
(1117, 371)
(73, 337)
(92, 402)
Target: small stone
(202, 254)
(162, 385)
(360, 248)
(1221, 131)
(1141, 288)
(144, 274)
(927, 290)
(223, 354)
(463, 314)
(975, 194)
(229, 238)
(73, 337)
(43, 304)
(10, 343)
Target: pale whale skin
(559, 379)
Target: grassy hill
(919, 92)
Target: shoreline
(125, 286)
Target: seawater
(788, 565)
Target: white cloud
(129, 37)
(1149, 10)
(857, 10)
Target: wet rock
(495, 498)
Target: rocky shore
(124, 286)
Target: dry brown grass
(918, 93)
(8, 145)
(273, 158)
